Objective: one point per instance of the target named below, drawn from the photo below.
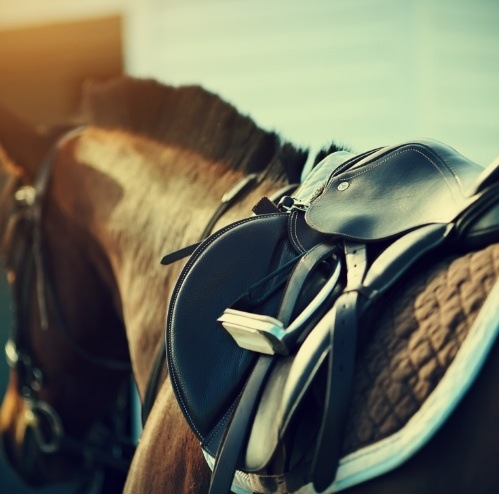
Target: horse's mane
(189, 117)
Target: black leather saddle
(263, 322)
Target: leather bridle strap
(28, 265)
(231, 197)
(32, 199)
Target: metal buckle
(37, 411)
(11, 354)
(26, 195)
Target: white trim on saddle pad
(389, 453)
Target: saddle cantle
(290, 289)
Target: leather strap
(342, 346)
(302, 272)
(179, 254)
(232, 444)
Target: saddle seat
(399, 202)
(389, 191)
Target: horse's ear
(22, 142)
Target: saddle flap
(394, 190)
(208, 369)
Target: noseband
(28, 267)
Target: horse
(169, 156)
(142, 178)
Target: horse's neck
(139, 206)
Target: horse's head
(54, 419)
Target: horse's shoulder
(157, 462)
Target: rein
(28, 265)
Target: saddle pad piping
(389, 453)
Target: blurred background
(364, 73)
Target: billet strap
(341, 359)
(179, 254)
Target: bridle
(111, 447)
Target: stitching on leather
(451, 169)
(313, 223)
(209, 436)
(294, 235)
(388, 158)
(183, 275)
(180, 281)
